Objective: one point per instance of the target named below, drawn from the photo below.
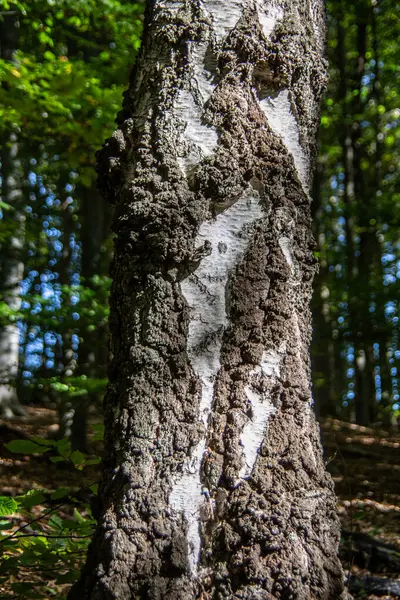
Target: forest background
(63, 67)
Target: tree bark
(214, 484)
(11, 265)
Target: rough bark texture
(214, 484)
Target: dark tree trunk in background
(356, 213)
(95, 214)
(328, 369)
(214, 484)
(382, 328)
(365, 399)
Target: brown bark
(185, 172)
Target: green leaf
(5, 206)
(69, 577)
(56, 459)
(60, 492)
(32, 498)
(49, 55)
(92, 461)
(81, 520)
(5, 525)
(64, 448)
(44, 441)
(56, 523)
(8, 506)
(26, 447)
(77, 457)
(60, 387)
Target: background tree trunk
(95, 217)
(11, 274)
(328, 368)
(11, 265)
(214, 484)
(67, 357)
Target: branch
(54, 537)
(12, 535)
(51, 510)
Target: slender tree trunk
(68, 360)
(365, 399)
(383, 331)
(11, 273)
(349, 186)
(327, 365)
(11, 266)
(95, 229)
(214, 484)
(358, 290)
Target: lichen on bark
(210, 325)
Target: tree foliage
(54, 526)
(62, 81)
(356, 217)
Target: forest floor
(364, 463)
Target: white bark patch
(283, 122)
(268, 15)
(262, 409)
(205, 293)
(172, 6)
(253, 432)
(224, 14)
(199, 139)
(10, 335)
(202, 77)
(9, 347)
(187, 497)
(285, 245)
(314, 19)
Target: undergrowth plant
(44, 534)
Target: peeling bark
(214, 484)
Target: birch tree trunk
(214, 484)
(11, 273)
(11, 266)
